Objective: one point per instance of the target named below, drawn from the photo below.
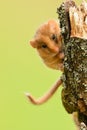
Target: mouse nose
(55, 49)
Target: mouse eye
(54, 37)
(44, 46)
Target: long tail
(46, 96)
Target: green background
(21, 69)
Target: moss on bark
(74, 93)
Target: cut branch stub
(78, 21)
(73, 24)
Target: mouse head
(47, 36)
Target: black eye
(44, 46)
(54, 37)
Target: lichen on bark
(73, 24)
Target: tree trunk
(73, 24)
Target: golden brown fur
(48, 43)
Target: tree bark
(73, 24)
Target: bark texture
(73, 24)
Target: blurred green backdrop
(21, 69)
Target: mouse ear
(51, 23)
(33, 43)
